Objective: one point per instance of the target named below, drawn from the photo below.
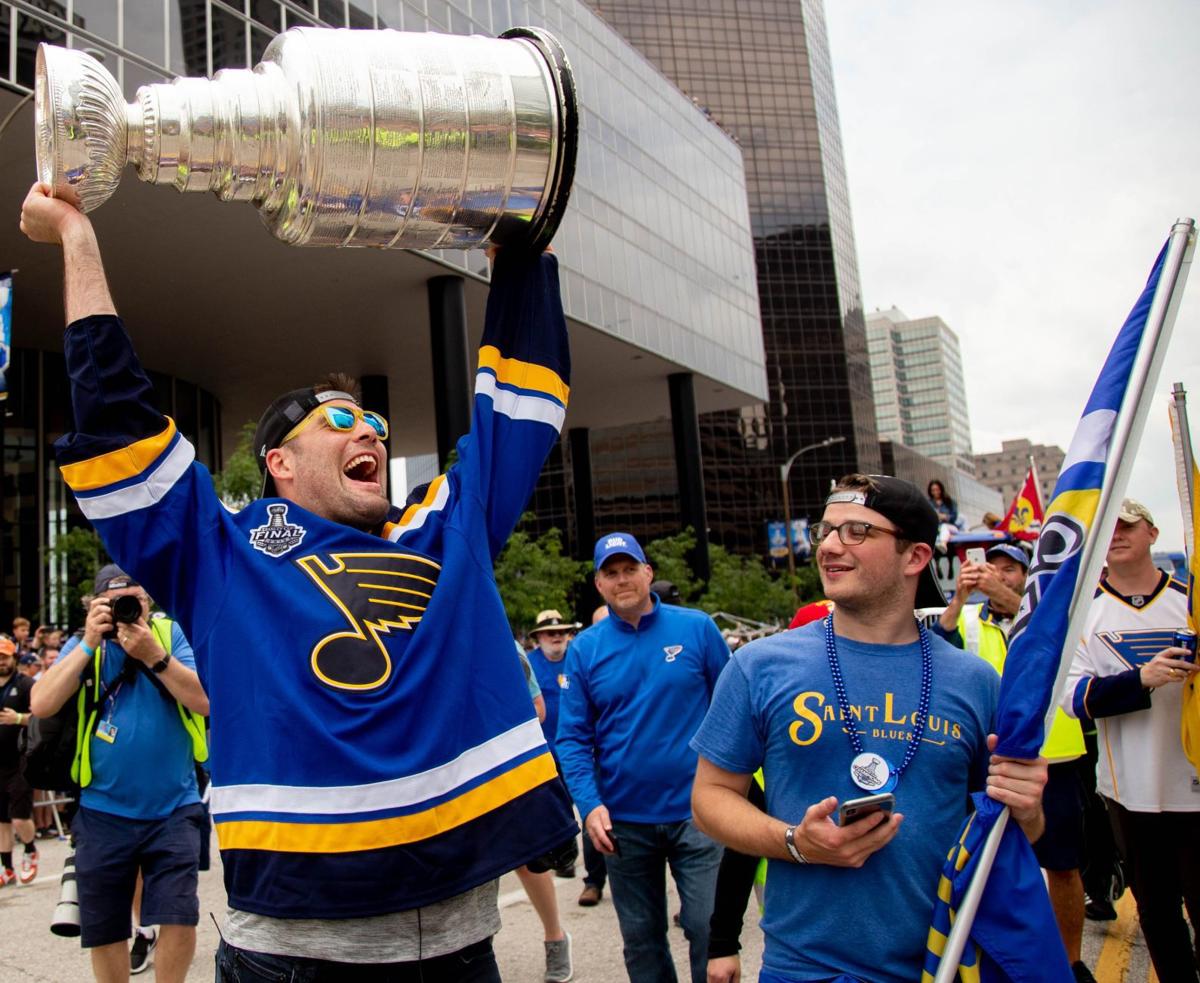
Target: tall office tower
(762, 71)
(920, 401)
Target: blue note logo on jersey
(278, 536)
(672, 651)
(376, 593)
(1136, 648)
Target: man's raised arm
(57, 220)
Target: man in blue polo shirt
(139, 806)
(637, 685)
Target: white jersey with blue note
(1142, 765)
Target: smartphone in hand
(852, 810)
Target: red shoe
(7, 876)
(29, 864)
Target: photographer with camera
(139, 699)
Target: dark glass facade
(761, 69)
(37, 507)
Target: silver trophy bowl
(338, 137)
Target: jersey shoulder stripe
(522, 376)
(143, 490)
(119, 466)
(416, 515)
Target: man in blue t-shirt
(139, 806)
(856, 899)
(636, 687)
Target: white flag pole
(1127, 432)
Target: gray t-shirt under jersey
(404, 936)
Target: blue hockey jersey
(373, 744)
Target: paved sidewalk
(29, 953)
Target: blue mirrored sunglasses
(342, 418)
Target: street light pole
(784, 471)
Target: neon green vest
(89, 710)
(986, 640)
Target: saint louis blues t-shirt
(775, 707)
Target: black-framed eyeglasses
(852, 533)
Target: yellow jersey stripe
(373, 834)
(430, 494)
(118, 465)
(523, 375)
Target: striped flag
(1190, 722)
(6, 284)
(1014, 935)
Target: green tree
(668, 557)
(742, 585)
(533, 574)
(239, 482)
(73, 561)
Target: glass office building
(761, 68)
(656, 252)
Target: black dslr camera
(126, 610)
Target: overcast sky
(1014, 168)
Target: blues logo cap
(617, 544)
(1012, 551)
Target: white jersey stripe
(519, 406)
(397, 793)
(145, 493)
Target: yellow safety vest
(986, 639)
(89, 710)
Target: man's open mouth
(362, 468)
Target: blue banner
(777, 546)
(6, 282)
(801, 544)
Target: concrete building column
(451, 365)
(685, 428)
(581, 482)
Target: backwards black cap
(906, 506)
(280, 417)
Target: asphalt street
(29, 953)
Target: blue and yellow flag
(1014, 935)
(1190, 722)
(6, 281)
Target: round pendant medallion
(870, 772)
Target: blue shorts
(109, 851)
(1061, 845)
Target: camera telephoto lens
(126, 609)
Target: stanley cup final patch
(278, 536)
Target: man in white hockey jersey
(1126, 676)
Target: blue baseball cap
(617, 544)
(1011, 550)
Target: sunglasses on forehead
(342, 418)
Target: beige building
(1006, 468)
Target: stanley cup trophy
(338, 137)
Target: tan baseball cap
(1132, 510)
